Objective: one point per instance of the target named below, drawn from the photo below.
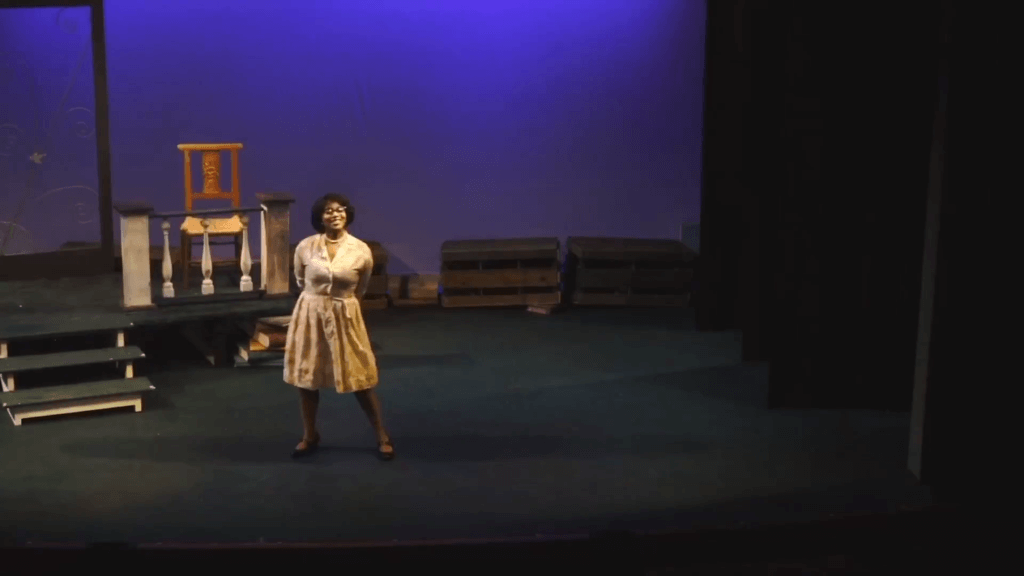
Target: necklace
(338, 241)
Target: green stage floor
(505, 424)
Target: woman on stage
(327, 344)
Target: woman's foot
(385, 451)
(306, 446)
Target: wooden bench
(501, 272)
(628, 272)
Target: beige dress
(327, 344)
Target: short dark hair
(317, 216)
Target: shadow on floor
(464, 447)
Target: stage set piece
(628, 272)
(39, 401)
(194, 227)
(507, 272)
(208, 224)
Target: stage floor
(505, 424)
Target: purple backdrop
(442, 119)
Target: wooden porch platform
(68, 306)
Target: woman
(327, 344)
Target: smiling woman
(327, 345)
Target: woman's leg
(310, 401)
(371, 405)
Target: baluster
(168, 268)
(207, 259)
(246, 284)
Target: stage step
(71, 398)
(39, 325)
(67, 359)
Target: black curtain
(822, 158)
(818, 130)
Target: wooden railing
(137, 217)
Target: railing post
(276, 243)
(135, 274)
(168, 267)
(245, 285)
(207, 259)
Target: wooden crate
(628, 272)
(503, 272)
(414, 289)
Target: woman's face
(334, 217)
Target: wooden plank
(51, 394)
(639, 300)
(501, 300)
(67, 359)
(517, 278)
(648, 279)
(500, 249)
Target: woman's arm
(300, 264)
(365, 272)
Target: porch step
(46, 325)
(85, 390)
(68, 359)
(71, 398)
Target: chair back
(211, 173)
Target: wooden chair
(192, 227)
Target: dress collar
(323, 243)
